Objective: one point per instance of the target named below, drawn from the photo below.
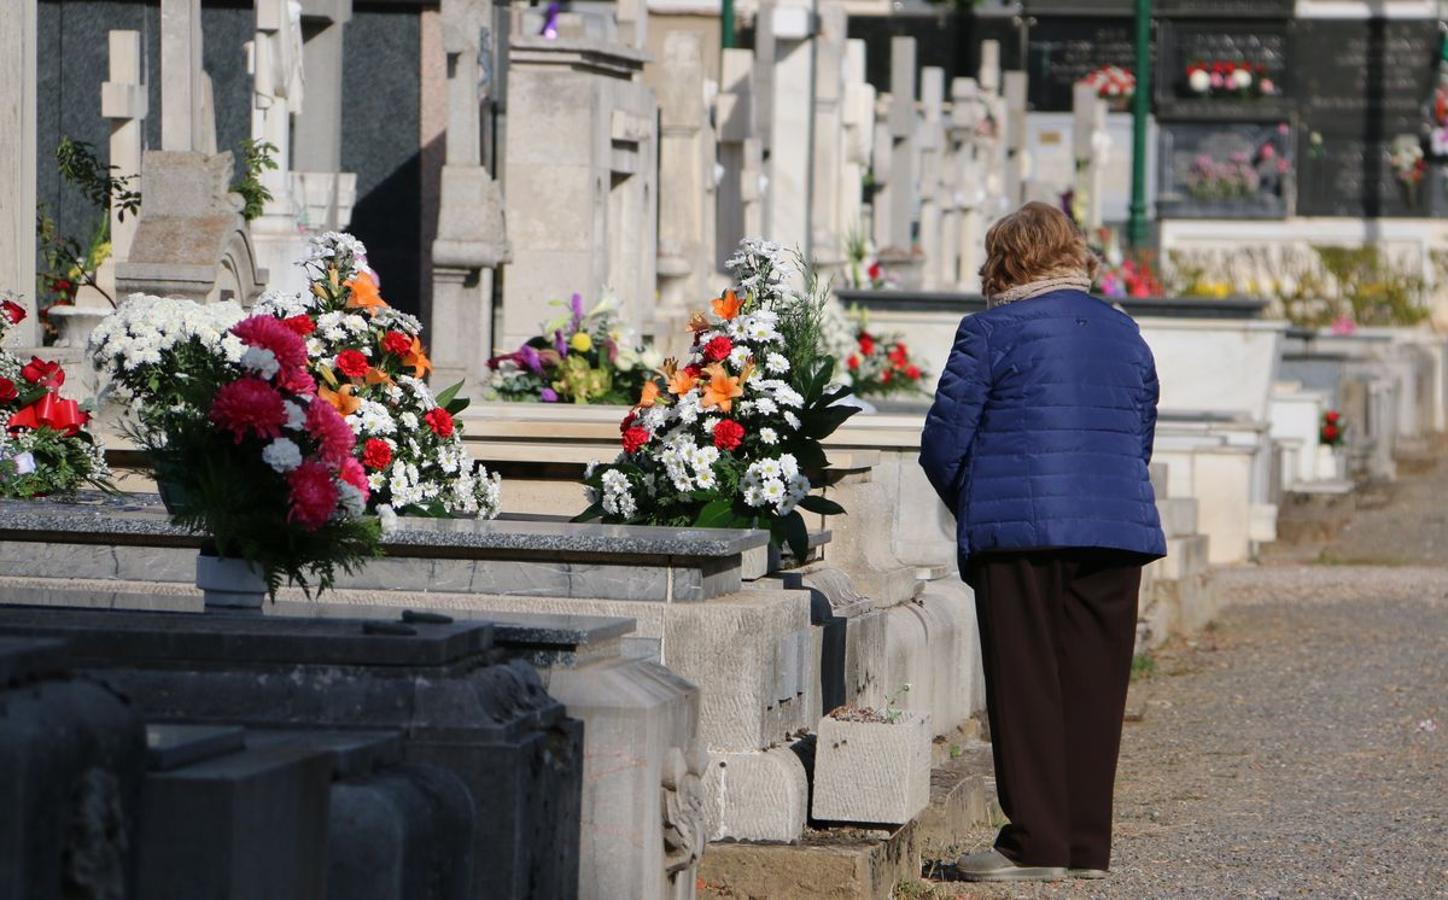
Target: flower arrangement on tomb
(728, 437)
(1112, 84)
(45, 447)
(1123, 274)
(879, 365)
(1243, 174)
(864, 271)
(368, 362)
(580, 357)
(234, 423)
(1227, 78)
(1409, 164)
(1331, 430)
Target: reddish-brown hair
(1036, 241)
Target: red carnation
(352, 363)
(628, 421)
(875, 271)
(376, 453)
(271, 334)
(854, 363)
(397, 343)
(718, 348)
(333, 435)
(8, 391)
(46, 374)
(249, 405)
(351, 473)
(635, 438)
(899, 355)
(13, 311)
(694, 370)
(1332, 417)
(886, 376)
(313, 495)
(728, 434)
(912, 373)
(1329, 433)
(867, 343)
(440, 421)
(301, 326)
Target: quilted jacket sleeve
(959, 401)
(1152, 392)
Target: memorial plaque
(1235, 9)
(1225, 170)
(1353, 176)
(1199, 60)
(1368, 78)
(1062, 51)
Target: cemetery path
(1299, 748)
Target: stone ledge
(839, 864)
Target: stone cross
(932, 178)
(968, 115)
(277, 87)
(186, 123)
(858, 118)
(882, 147)
(828, 225)
(740, 212)
(902, 145)
(18, 58)
(1017, 159)
(471, 242)
(686, 180)
(790, 199)
(995, 200)
(322, 189)
(1089, 146)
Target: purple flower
(550, 21)
(577, 305)
(548, 395)
(560, 344)
(529, 357)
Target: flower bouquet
(864, 271)
(581, 357)
(1409, 165)
(881, 366)
(1113, 84)
(44, 446)
(728, 438)
(259, 460)
(1331, 429)
(1223, 78)
(369, 363)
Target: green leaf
(810, 455)
(588, 515)
(816, 504)
(716, 514)
(457, 405)
(821, 423)
(447, 395)
(796, 536)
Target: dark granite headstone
(1225, 170)
(1256, 44)
(1063, 50)
(1234, 9)
(1347, 175)
(1367, 78)
(939, 41)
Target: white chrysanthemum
(772, 490)
(282, 454)
(767, 468)
(296, 415)
(768, 436)
(705, 479)
(739, 356)
(261, 361)
(788, 465)
(791, 420)
(776, 364)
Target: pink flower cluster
(299, 434)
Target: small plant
(956, 751)
(1143, 667)
(892, 714)
(256, 157)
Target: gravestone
(740, 154)
(1225, 170)
(17, 161)
(686, 180)
(1063, 50)
(828, 230)
(325, 192)
(788, 205)
(1349, 175)
(1263, 46)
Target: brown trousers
(1057, 629)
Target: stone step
(1178, 516)
(859, 864)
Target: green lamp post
(1140, 106)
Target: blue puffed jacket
(1042, 429)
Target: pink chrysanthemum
(333, 435)
(249, 405)
(272, 334)
(313, 495)
(352, 473)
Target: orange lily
(721, 388)
(377, 376)
(699, 322)
(365, 294)
(650, 394)
(728, 306)
(416, 358)
(341, 399)
(679, 381)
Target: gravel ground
(1300, 746)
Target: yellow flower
(581, 342)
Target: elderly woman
(1038, 441)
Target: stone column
(788, 207)
(996, 200)
(18, 57)
(686, 180)
(276, 69)
(881, 154)
(858, 119)
(1089, 147)
(1015, 133)
(740, 155)
(183, 85)
(932, 164)
(471, 240)
(902, 145)
(967, 117)
(324, 192)
(828, 230)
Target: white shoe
(992, 865)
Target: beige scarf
(1070, 280)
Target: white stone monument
(324, 193)
(276, 63)
(17, 161)
(1090, 147)
(740, 195)
(828, 228)
(933, 196)
(789, 199)
(686, 183)
(858, 119)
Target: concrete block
(872, 772)
(826, 865)
(1184, 556)
(1178, 515)
(756, 796)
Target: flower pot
(173, 495)
(229, 583)
(875, 773)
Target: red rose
(301, 326)
(875, 271)
(635, 438)
(352, 363)
(440, 421)
(1332, 417)
(8, 391)
(867, 343)
(376, 454)
(913, 373)
(1329, 433)
(694, 370)
(899, 355)
(628, 421)
(45, 374)
(728, 434)
(854, 363)
(718, 348)
(13, 311)
(886, 375)
(397, 343)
